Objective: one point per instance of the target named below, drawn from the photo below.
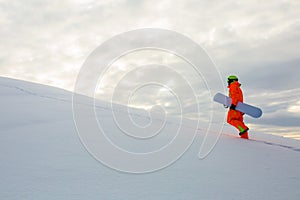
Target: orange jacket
(235, 92)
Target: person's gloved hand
(232, 107)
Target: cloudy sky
(48, 42)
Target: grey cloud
(276, 106)
(283, 119)
(279, 76)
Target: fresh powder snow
(42, 157)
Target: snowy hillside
(42, 157)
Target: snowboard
(243, 107)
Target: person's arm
(234, 96)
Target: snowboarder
(235, 117)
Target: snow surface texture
(41, 157)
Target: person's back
(235, 92)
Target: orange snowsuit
(235, 117)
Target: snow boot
(244, 134)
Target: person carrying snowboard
(235, 117)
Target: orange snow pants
(236, 119)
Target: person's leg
(235, 118)
(244, 133)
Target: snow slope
(41, 157)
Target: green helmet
(232, 78)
